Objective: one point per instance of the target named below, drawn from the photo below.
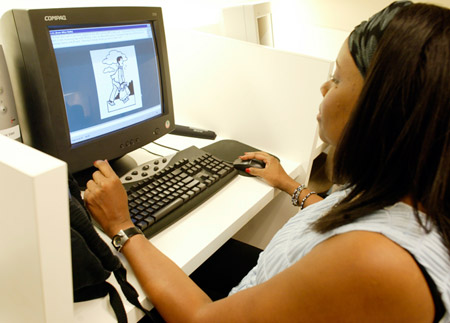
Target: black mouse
(242, 165)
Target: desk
(192, 239)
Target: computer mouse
(242, 165)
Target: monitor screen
(103, 71)
(90, 83)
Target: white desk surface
(193, 238)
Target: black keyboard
(165, 189)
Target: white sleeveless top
(397, 223)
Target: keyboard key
(167, 209)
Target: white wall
(343, 14)
(314, 27)
(318, 27)
(206, 14)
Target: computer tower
(9, 123)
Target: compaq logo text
(52, 18)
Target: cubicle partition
(264, 97)
(35, 276)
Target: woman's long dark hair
(397, 141)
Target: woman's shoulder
(376, 275)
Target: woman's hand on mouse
(273, 173)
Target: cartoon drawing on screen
(117, 80)
(120, 88)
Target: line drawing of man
(120, 85)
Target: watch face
(117, 241)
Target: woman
(376, 251)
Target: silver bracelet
(305, 198)
(296, 194)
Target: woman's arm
(354, 277)
(167, 286)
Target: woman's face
(340, 94)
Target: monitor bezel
(42, 66)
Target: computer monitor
(90, 83)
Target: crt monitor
(90, 83)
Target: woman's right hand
(273, 173)
(106, 199)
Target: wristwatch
(119, 240)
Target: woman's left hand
(273, 173)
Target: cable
(165, 146)
(151, 152)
